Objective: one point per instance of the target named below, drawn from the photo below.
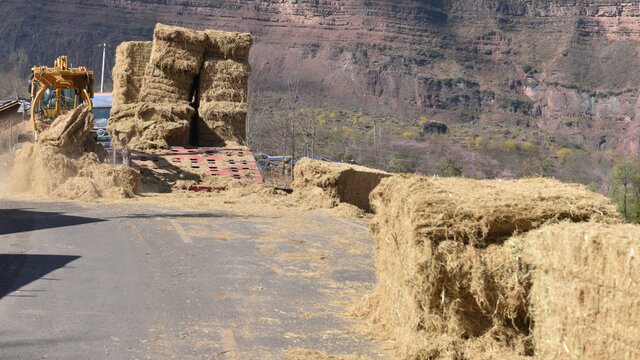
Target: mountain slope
(565, 66)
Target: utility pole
(10, 135)
(104, 50)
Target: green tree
(450, 168)
(395, 164)
(509, 145)
(563, 154)
(624, 174)
(545, 166)
(19, 61)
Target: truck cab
(101, 111)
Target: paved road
(92, 281)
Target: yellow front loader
(57, 90)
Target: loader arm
(62, 88)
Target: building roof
(10, 104)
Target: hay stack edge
(329, 184)
(585, 298)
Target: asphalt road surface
(96, 281)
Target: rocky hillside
(568, 67)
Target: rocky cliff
(568, 66)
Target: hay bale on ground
(228, 45)
(328, 183)
(585, 298)
(449, 284)
(132, 58)
(222, 124)
(224, 80)
(178, 49)
(143, 126)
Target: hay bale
(448, 280)
(222, 124)
(175, 60)
(178, 49)
(163, 86)
(328, 184)
(228, 45)
(223, 80)
(479, 212)
(586, 291)
(144, 126)
(132, 58)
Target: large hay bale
(222, 124)
(329, 183)
(144, 126)
(132, 58)
(178, 49)
(224, 80)
(228, 45)
(449, 283)
(585, 297)
(176, 58)
(163, 86)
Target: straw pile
(329, 184)
(131, 61)
(222, 92)
(67, 163)
(450, 284)
(586, 293)
(145, 126)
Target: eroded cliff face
(551, 61)
(603, 120)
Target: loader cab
(57, 101)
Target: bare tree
(254, 117)
(19, 61)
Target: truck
(102, 103)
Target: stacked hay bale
(585, 298)
(328, 184)
(222, 92)
(451, 284)
(144, 126)
(161, 115)
(155, 89)
(176, 59)
(132, 58)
